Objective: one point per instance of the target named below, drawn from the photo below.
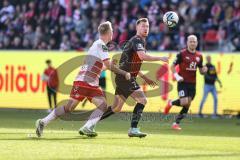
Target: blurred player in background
(209, 86)
(133, 55)
(86, 84)
(188, 60)
(50, 76)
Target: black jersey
(130, 60)
(211, 76)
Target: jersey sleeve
(138, 45)
(103, 52)
(178, 59)
(200, 64)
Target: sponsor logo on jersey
(140, 46)
(105, 49)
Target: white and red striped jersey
(93, 64)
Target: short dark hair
(48, 61)
(141, 20)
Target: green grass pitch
(210, 139)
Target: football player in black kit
(133, 55)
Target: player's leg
(122, 92)
(182, 114)
(205, 94)
(119, 100)
(139, 96)
(186, 99)
(59, 111)
(55, 98)
(181, 101)
(178, 102)
(49, 97)
(215, 101)
(186, 104)
(88, 128)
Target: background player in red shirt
(50, 75)
(188, 60)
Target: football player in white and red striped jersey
(86, 84)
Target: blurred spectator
(6, 12)
(236, 44)
(16, 43)
(72, 25)
(50, 76)
(26, 44)
(65, 44)
(6, 43)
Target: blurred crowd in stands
(72, 24)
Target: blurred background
(72, 24)
(29, 27)
(43, 44)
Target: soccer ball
(170, 19)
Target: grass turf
(200, 139)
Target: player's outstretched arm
(112, 67)
(145, 57)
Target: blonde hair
(104, 28)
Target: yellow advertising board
(21, 85)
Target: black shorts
(125, 87)
(186, 89)
(102, 83)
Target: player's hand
(128, 76)
(204, 69)
(178, 77)
(165, 59)
(150, 82)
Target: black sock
(137, 114)
(182, 114)
(176, 102)
(108, 113)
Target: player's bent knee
(117, 108)
(187, 104)
(68, 109)
(142, 101)
(103, 106)
(184, 103)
